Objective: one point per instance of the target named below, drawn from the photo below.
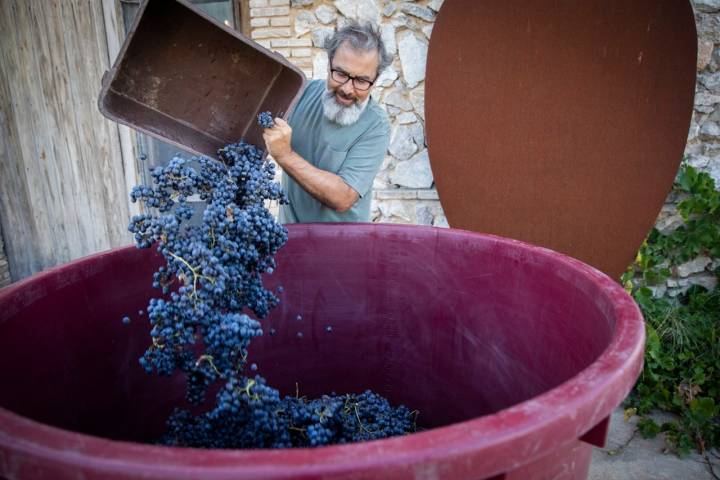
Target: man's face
(356, 64)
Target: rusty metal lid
(185, 78)
(560, 123)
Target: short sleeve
(365, 158)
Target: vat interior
(451, 324)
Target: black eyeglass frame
(349, 78)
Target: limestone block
(406, 118)
(714, 171)
(708, 27)
(304, 22)
(389, 9)
(706, 99)
(291, 42)
(427, 30)
(440, 221)
(395, 211)
(320, 35)
(269, 11)
(392, 111)
(397, 99)
(658, 291)
(326, 14)
(705, 50)
(396, 194)
(413, 173)
(301, 3)
(423, 215)
(695, 265)
(711, 81)
(271, 32)
(402, 145)
(707, 6)
(413, 55)
(418, 11)
(709, 130)
(707, 280)
(435, 5)
(417, 97)
(259, 22)
(387, 77)
(380, 181)
(280, 21)
(669, 224)
(362, 10)
(694, 129)
(388, 37)
(320, 65)
(418, 134)
(301, 52)
(401, 20)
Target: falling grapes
(265, 120)
(212, 275)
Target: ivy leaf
(648, 427)
(703, 408)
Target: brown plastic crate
(189, 80)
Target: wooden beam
(115, 33)
(242, 17)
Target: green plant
(682, 352)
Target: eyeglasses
(342, 78)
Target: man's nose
(347, 88)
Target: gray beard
(341, 114)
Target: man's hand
(326, 187)
(277, 140)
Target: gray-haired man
(336, 137)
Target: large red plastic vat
(515, 356)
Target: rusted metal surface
(560, 123)
(187, 79)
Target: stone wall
(703, 147)
(403, 190)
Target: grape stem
(247, 391)
(209, 359)
(194, 272)
(357, 415)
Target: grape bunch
(265, 120)
(212, 270)
(211, 277)
(250, 414)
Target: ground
(628, 456)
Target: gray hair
(362, 37)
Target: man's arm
(326, 187)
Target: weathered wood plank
(63, 183)
(115, 34)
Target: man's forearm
(326, 187)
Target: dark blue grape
(212, 276)
(265, 120)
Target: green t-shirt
(353, 152)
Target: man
(335, 139)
